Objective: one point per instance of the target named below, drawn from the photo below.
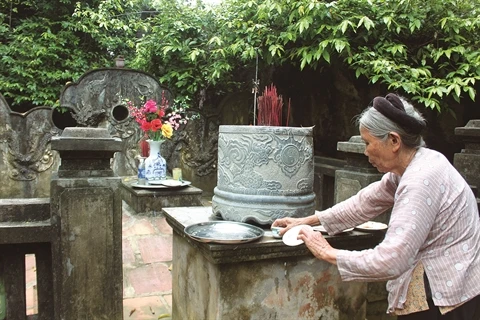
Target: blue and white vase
(155, 164)
(141, 170)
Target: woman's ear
(395, 140)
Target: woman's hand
(288, 223)
(317, 244)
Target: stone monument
(86, 215)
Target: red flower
(156, 125)
(146, 126)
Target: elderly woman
(431, 250)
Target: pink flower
(150, 106)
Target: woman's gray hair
(380, 126)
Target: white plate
(372, 226)
(322, 229)
(168, 182)
(162, 184)
(290, 237)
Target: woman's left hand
(317, 244)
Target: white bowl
(276, 232)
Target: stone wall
(97, 100)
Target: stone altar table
(147, 201)
(259, 280)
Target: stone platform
(264, 279)
(150, 201)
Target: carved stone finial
(120, 61)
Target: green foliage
(184, 47)
(428, 49)
(44, 46)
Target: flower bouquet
(158, 121)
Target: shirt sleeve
(367, 204)
(413, 215)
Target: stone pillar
(357, 173)
(467, 162)
(86, 212)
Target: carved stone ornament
(264, 173)
(25, 139)
(98, 99)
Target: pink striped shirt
(434, 220)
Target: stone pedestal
(324, 181)
(151, 201)
(468, 161)
(86, 213)
(259, 280)
(357, 173)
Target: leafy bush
(425, 49)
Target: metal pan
(224, 232)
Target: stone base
(264, 279)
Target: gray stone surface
(26, 160)
(324, 181)
(357, 173)
(468, 161)
(150, 202)
(264, 173)
(24, 210)
(354, 145)
(86, 212)
(471, 130)
(83, 156)
(258, 280)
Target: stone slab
(24, 209)
(469, 167)
(87, 217)
(266, 247)
(150, 201)
(472, 129)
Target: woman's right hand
(288, 223)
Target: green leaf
(471, 93)
(340, 45)
(193, 54)
(326, 56)
(457, 89)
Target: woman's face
(380, 153)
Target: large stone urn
(264, 173)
